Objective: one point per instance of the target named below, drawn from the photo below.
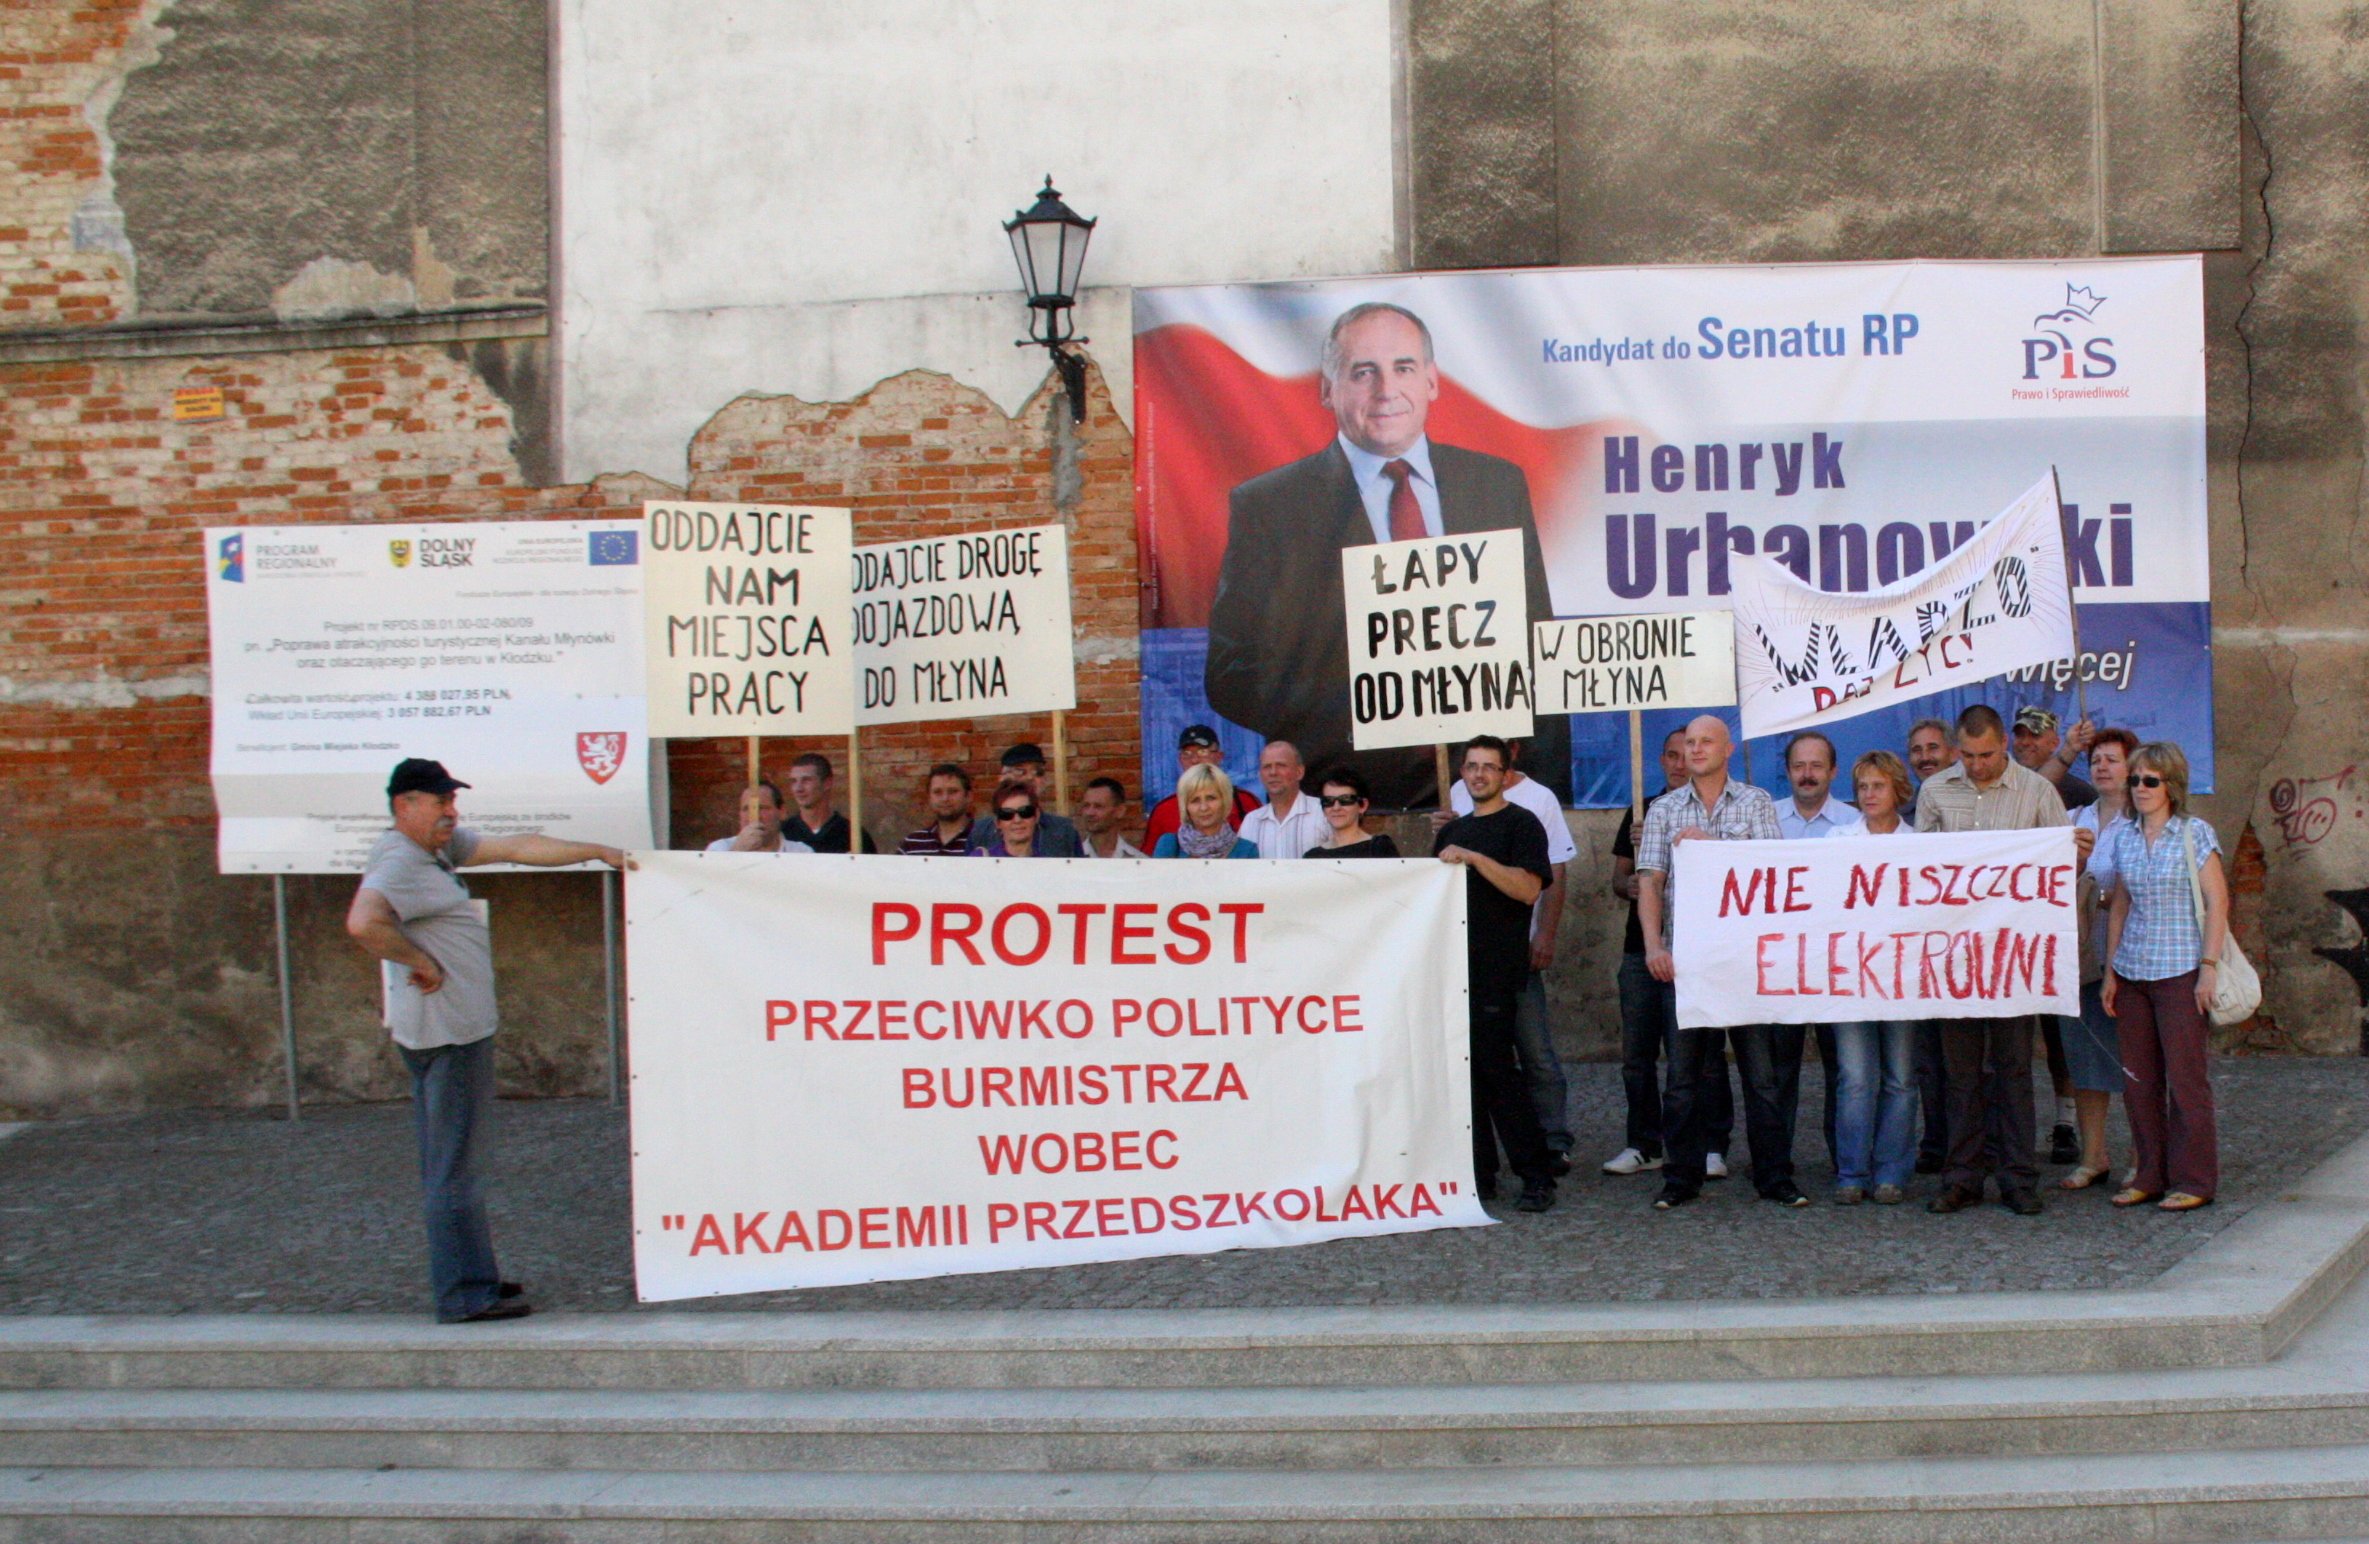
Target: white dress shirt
(1374, 485)
(1288, 836)
(1833, 818)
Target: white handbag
(2237, 990)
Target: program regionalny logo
(231, 557)
(2066, 342)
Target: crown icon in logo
(2081, 305)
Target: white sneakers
(1630, 1161)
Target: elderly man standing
(1988, 1061)
(413, 911)
(1290, 822)
(1713, 807)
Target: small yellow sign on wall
(197, 404)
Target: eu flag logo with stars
(616, 549)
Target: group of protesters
(1951, 1097)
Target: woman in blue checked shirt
(2159, 979)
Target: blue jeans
(1875, 1116)
(452, 1090)
(1768, 1057)
(1542, 1069)
(1647, 1021)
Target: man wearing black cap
(1056, 835)
(1197, 745)
(413, 911)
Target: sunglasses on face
(1339, 801)
(1016, 812)
(2147, 780)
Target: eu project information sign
(510, 652)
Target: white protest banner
(869, 1069)
(956, 626)
(1998, 602)
(511, 652)
(1686, 659)
(747, 619)
(1976, 924)
(1439, 640)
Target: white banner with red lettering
(1977, 924)
(865, 1069)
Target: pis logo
(2059, 341)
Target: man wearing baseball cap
(413, 912)
(1196, 746)
(1023, 766)
(2038, 746)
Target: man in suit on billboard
(1278, 654)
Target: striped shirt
(927, 843)
(2021, 800)
(2159, 935)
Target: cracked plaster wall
(321, 158)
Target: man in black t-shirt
(1502, 848)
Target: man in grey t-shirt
(413, 911)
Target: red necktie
(1406, 516)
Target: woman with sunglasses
(1344, 802)
(1206, 795)
(2160, 978)
(1016, 820)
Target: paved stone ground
(210, 1213)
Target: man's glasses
(2149, 780)
(1017, 812)
(1338, 801)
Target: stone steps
(2266, 1494)
(2228, 1401)
(1075, 1431)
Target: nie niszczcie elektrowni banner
(866, 1069)
(1855, 422)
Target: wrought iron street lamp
(1049, 243)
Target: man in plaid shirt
(1713, 807)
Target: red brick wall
(52, 57)
(103, 496)
(923, 455)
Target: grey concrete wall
(312, 158)
(134, 976)
(1761, 130)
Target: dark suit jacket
(1278, 646)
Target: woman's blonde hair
(2165, 758)
(1196, 778)
(1894, 770)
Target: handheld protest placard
(1684, 659)
(1439, 640)
(746, 619)
(956, 626)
